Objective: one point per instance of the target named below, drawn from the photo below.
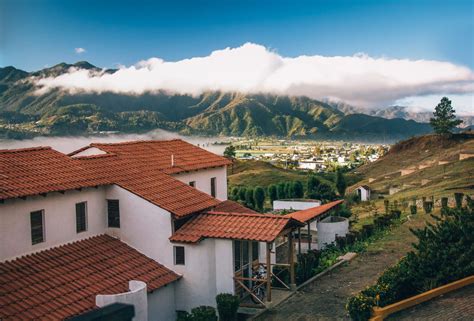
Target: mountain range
(25, 113)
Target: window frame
(85, 217)
(114, 225)
(175, 255)
(213, 186)
(43, 230)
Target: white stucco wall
(203, 180)
(295, 204)
(198, 284)
(161, 304)
(364, 194)
(143, 225)
(224, 266)
(136, 296)
(327, 230)
(59, 220)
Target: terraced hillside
(429, 165)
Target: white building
(364, 193)
(144, 223)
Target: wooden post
(269, 274)
(291, 258)
(299, 240)
(309, 237)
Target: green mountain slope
(57, 112)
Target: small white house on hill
(364, 193)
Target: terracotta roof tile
(245, 226)
(141, 167)
(67, 284)
(232, 207)
(313, 212)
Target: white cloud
(360, 79)
(463, 104)
(79, 50)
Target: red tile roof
(142, 168)
(32, 171)
(313, 212)
(159, 153)
(243, 226)
(63, 281)
(232, 207)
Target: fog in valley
(67, 144)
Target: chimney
(172, 160)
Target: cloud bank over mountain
(251, 68)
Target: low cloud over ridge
(360, 80)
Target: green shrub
(396, 214)
(344, 211)
(387, 205)
(458, 197)
(428, 207)
(444, 253)
(227, 306)
(444, 202)
(307, 264)
(413, 209)
(360, 307)
(203, 313)
(367, 230)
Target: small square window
(179, 255)
(37, 226)
(81, 217)
(192, 184)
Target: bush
(386, 203)
(227, 306)
(458, 197)
(444, 202)
(413, 209)
(444, 253)
(307, 264)
(344, 211)
(203, 313)
(428, 207)
(367, 230)
(360, 307)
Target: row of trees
(255, 197)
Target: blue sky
(36, 33)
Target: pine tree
(259, 198)
(341, 184)
(272, 193)
(444, 117)
(298, 191)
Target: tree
(259, 198)
(444, 117)
(229, 151)
(281, 194)
(298, 191)
(272, 193)
(312, 186)
(234, 194)
(341, 184)
(249, 201)
(288, 189)
(242, 192)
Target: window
(213, 187)
(37, 226)
(179, 255)
(113, 213)
(81, 217)
(237, 253)
(254, 251)
(192, 184)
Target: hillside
(25, 112)
(428, 165)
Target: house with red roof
(145, 222)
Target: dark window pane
(237, 253)
(37, 228)
(81, 220)
(113, 210)
(245, 252)
(254, 251)
(179, 255)
(213, 187)
(192, 184)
